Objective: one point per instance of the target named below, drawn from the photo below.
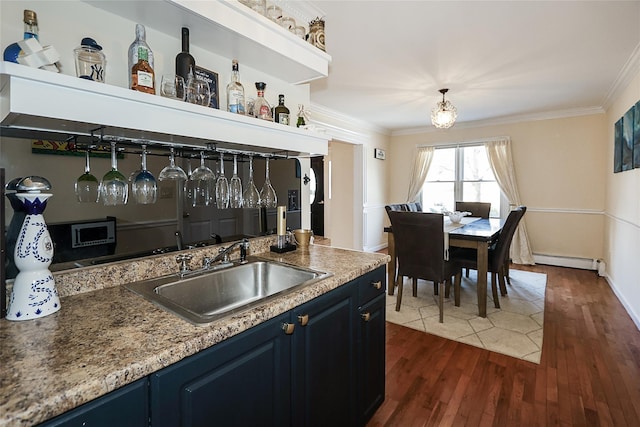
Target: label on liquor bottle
(235, 101)
(283, 118)
(263, 113)
(145, 79)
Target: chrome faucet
(223, 254)
(178, 239)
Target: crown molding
(548, 115)
(628, 72)
(343, 127)
(348, 129)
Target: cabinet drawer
(371, 285)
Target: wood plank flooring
(589, 373)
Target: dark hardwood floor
(589, 373)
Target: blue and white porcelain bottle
(34, 294)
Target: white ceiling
(501, 60)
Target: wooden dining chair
(498, 254)
(419, 240)
(403, 207)
(477, 209)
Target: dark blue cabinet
(243, 381)
(126, 407)
(371, 358)
(324, 360)
(321, 364)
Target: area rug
(515, 329)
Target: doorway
(317, 202)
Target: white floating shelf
(35, 101)
(232, 30)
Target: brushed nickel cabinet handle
(366, 316)
(288, 328)
(303, 319)
(377, 285)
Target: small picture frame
(211, 78)
(379, 154)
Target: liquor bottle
(13, 51)
(281, 113)
(261, 108)
(133, 50)
(184, 60)
(142, 76)
(235, 91)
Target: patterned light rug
(514, 330)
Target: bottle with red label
(261, 108)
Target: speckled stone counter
(105, 336)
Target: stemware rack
(161, 148)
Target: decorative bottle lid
(30, 17)
(33, 184)
(89, 42)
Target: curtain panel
(501, 161)
(423, 158)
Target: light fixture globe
(444, 114)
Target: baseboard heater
(571, 262)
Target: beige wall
(622, 225)
(559, 168)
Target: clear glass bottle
(184, 60)
(235, 91)
(13, 51)
(301, 114)
(140, 40)
(90, 60)
(281, 112)
(261, 108)
(142, 75)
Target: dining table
(475, 233)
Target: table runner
(450, 226)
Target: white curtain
(499, 153)
(421, 166)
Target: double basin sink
(203, 296)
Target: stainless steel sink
(205, 296)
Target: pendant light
(444, 114)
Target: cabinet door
(371, 357)
(126, 407)
(323, 360)
(243, 381)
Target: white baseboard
(634, 316)
(571, 262)
(375, 248)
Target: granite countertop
(105, 336)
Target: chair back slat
(477, 209)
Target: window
(460, 173)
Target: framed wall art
(636, 136)
(626, 140)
